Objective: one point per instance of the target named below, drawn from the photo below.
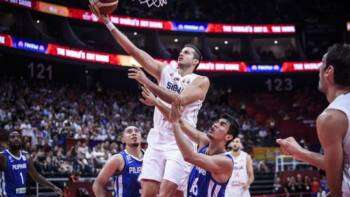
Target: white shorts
(159, 164)
(235, 191)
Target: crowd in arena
(66, 128)
(301, 185)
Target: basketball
(106, 6)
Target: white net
(155, 3)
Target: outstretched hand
(137, 74)
(148, 97)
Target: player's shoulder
(201, 80)
(25, 153)
(116, 158)
(248, 156)
(332, 120)
(118, 155)
(332, 117)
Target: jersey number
(194, 187)
(21, 177)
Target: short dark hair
(197, 52)
(234, 125)
(338, 56)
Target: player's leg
(149, 188)
(152, 172)
(179, 193)
(167, 188)
(175, 175)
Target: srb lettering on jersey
(135, 170)
(19, 166)
(173, 87)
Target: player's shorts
(168, 164)
(236, 191)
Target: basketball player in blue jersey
(212, 165)
(164, 170)
(125, 167)
(15, 166)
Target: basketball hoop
(155, 3)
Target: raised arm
(113, 165)
(216, 164)
(195, 91)
(195, 135)
(41, 180)
(149, 99)
(152, 66)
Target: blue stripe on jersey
(126, 183)
(202, 184)
(15, 176)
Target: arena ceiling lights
(66, 52)
(142, 23)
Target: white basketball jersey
(239, 172)
(162, 133)
(342, 103)
(239, 176)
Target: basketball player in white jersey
(164, 169)
(333, 124)
(242, 174)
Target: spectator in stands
(278, 187)
(307, 185)
(291, 185)
(315, 186)
(299, 184)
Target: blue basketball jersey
(14, 178)
(202, 184)
(126, 183)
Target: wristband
(110, 26)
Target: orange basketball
(106, 6)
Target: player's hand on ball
(137, 74)
(290, 146)
(96, 10)
(148, 97)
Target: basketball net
(155, 3)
